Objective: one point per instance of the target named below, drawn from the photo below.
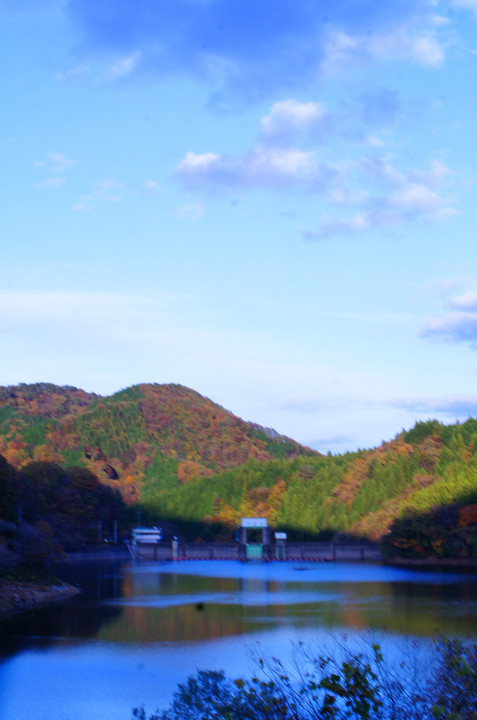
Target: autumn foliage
(182, 458)
(182, 434)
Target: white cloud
(55, 164)
(375, 141)
(452, 327)
(420, 47)
(380, 169)
(454, 406)
(264, 166)
(151, 187)
(198, 163)
(271, 161)
(192, 211)
(466, 301)
(420, 201)
(105, 191)
(351, 226)
(289, 117)
(466, 5)
(122, 68)
(374, 191)
(426, 50)
(73, 72)
(268, 163)
(437, 175)
(52, 182)
(245, 57)
(340, 49)
(458, 324)
(59, 162)
(391, 198)
(109, 190)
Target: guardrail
(311, 552)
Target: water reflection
(80, 618)
(141, 628)
(176, 603)
(173, 606)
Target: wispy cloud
(248, 53)
(52, 182)
(421, 47)
(150, 187)
(458, 324)
(54, 165)
(466, 5)
(311, 406)
(191, 211)
(456, 406)
(59, 162)
(392, 198)
(105, 191)
(73, 72)
(121, 68)
(55, 162)
(263, 166)
(282, 157)
(290, 118)
(371, 192)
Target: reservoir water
(138, 629)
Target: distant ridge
(119, 437)
(182, 459)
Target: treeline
(449, 531)
(120, 437)
(45, 509)
(177, 457)
(425, 478)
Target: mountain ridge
(178, 457)
(119, 436)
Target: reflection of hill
(129, 604)
(171, 608)
(77, 619)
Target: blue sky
(273, 203)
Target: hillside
(180, 458)
(419, 489)
(147, 436)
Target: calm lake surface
(139, 629)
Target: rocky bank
(19, 596)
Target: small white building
(146, 536)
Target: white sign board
(280, 536)
(254, 522)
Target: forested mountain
(179, 457)
(142, 436)
(422, 483)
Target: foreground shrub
(357, 686)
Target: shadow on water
(122, 602)
(79, 618)
(139, 629)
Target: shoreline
(18, 596)
(433, 562)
